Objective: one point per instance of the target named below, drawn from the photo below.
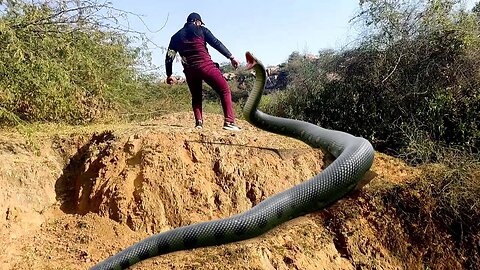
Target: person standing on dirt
(191, 43)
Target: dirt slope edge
(94, 194)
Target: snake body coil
(354, 156)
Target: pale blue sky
(271, 30)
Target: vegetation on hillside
(65, 61)
(413, 78)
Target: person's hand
(171, 80)
(234, 62)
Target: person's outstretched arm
(218, 45)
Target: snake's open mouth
(250, 60)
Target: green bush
(400, 85)
(55, 68)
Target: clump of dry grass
(445, 200)
(454, 184)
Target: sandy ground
(71, 199)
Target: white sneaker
(199, 124)
(231, 126)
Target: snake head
(251, 60)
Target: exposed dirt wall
(74, 199)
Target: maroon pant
(209, 73)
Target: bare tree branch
(394, 68)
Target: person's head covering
(194, 17)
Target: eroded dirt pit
(71, 199)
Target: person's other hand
(171, 80)
(234, 62)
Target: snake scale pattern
(354, 157)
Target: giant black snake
(354, 156)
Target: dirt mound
(153, 181)
(97, 193)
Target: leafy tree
(413, 79)
(476, 9)
(64, 61)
